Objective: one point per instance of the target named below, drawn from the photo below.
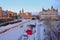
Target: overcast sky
(28, 5)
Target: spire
(57, 9)
(0, 7)
(43, 9)
(51, 7)
(22, 10)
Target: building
(25, 15)
(7, 15)
(52, 13)
(0, 12)
(11, 14)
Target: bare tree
(48, 22)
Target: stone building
(7, 14)
(11, 14)
(25, 15)
(52, 13)
(2, 13)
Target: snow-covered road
(10, 26)
(15, 33)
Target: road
(14, 32)
(19, 29)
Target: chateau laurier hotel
(52, 13)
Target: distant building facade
(7, 14)
(11, 14)
(52, 13)
(2, 13)
(25, 15)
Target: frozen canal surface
(15, 33)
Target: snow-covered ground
(17, 32)
(3, 28)
(14, 33)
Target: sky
(28, 5)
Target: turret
(57, 10)
(22, 10)
(0, 7)
(51, 7)
(42, 9)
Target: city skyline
(28, 5)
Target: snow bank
(5, 28)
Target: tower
(42, 9)
(57, 9)
(51, 7)
(22, 10)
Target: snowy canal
(19, 32)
